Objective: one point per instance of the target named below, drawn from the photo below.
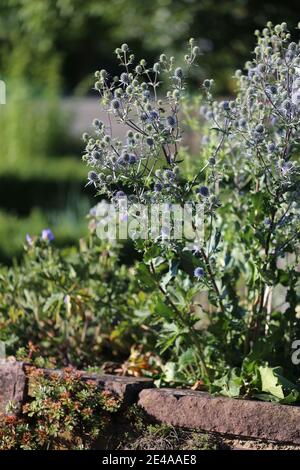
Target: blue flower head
(171, 121)
(124, 78)
(178, 73)
(169, 175)
(153, 116)
(120, 194)
(199, 272)
(115, 104)
(203, 190)
(92, 177)
(132, 159)
(150, 141)
(158, 187)
(47, 235)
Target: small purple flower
(158, 187)
(178, 73)
(199, 272)
(132, 159)
(150, 141)
(203, 190)
(153, 116)
(259, 129)
(271, 147)
(171, 121)
(273, 89)
(124, 78)
(92, 177)
(169, 175)
(120, 194)
(115, 104)
(29, 240)
(47, 235)
(126, 157)
(67, 299)
(97, 155)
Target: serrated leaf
(272, 382)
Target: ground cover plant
(215, 300)
(63, 412)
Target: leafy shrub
(74, 305)
(64, 412)
(25, 140)
(213, 298)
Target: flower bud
(178, 73)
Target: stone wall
(183, 408)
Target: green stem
(205, 371)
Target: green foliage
(213, 299)
(211, 306)
(278, 387)
(63, 412)
(74, 305)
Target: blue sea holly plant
(225, 304)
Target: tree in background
(37, 34)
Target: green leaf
(144, 277)
(151, 253)
(187, 358)
(173, 269)
(230, 384)
(52, 300)
(163, 310)
(169, 371)
(273, 383)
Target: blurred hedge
(78, 36)
(50, 47)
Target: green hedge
(47, 183)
